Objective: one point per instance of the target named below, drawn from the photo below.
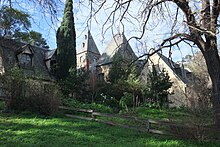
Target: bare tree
(194, 22)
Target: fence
(143, 125)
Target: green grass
(24, 130)
(180, 115)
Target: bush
(27, 94)
(45, 104)
(126, 101)
(71, 102)
(16, 103)
(196, 126)
(108, 101)
(2, 105)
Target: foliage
(193, 121)
(27, 94)
(16, 24)
(41, 100)
(75, 85)
(200, 29)
(71, 102)
(32, 37)
(108, 101)
(119, 70)
(66, 43)
(12, 83)
(201, 82)
(157, 87)
(13, 20)
(2, 105)
(195, 125)
(122, 80)
(126, 101)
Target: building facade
(89, 58)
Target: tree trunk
(213, 65)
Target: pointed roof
(118, 46)
(89, 44)
(173, 66)
(10, 49)
(50, 53)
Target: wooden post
(93, 116)
(148, 126)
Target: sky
(42, 23)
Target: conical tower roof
(89, 44)
(118, 46)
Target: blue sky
(42, 23)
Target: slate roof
(173, 66)
(50, 53)
(9, 50)
(118, 46)
(89, 45)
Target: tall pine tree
(66, 43)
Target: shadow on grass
(17, 130)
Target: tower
(88, 53)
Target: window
(83, 44)
(26, 60)
(85, 37)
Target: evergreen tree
(157, 86)
(66, 43)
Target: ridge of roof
(172, 66)
(118, 45)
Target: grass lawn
(30, 130)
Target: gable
(12, 55)
(118, 47)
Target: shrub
(71, 102)
(27, 94)
(126, 101)
(195, 126)
(2, 105)
(108, 101)
(44, 101)
(45, 104)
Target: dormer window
(25, 56)
(26, 60)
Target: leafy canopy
(66, 43)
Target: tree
(75, 85)
(15, 24)
(118, 71)
(12, 21)
(194, 23)
(201, 79)
(32, 37)
(66, 43)
(157, 86)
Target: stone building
(181, 93)
(31, 59)
(89, 58)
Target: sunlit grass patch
(22, 130)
